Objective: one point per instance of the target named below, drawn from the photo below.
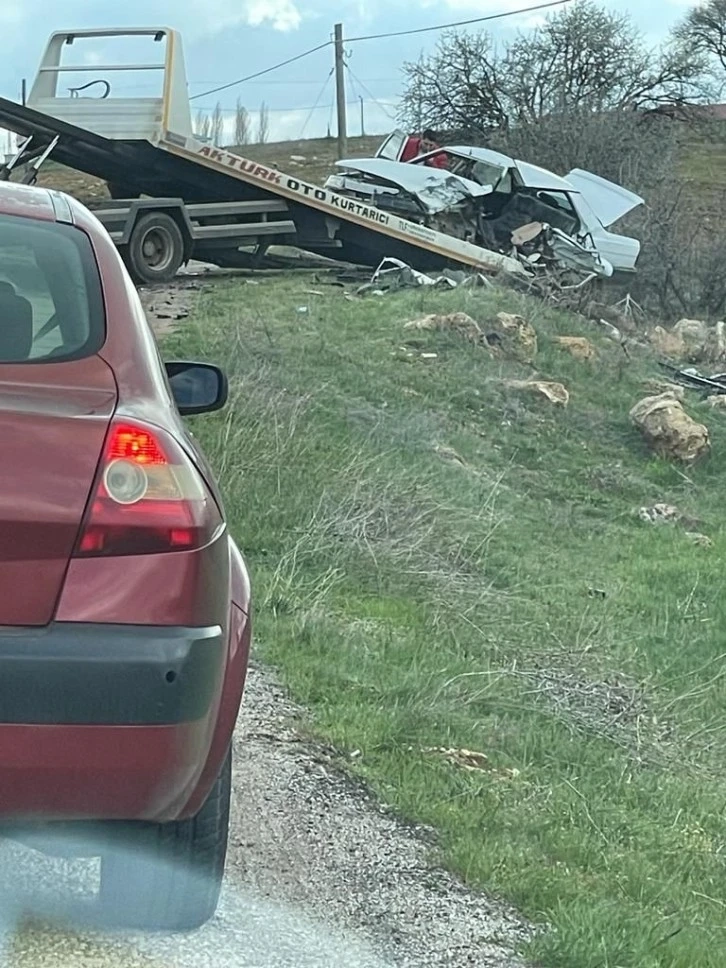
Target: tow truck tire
(168, 877)
(156, 249)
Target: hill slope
(443, 563)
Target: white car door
(392, 147)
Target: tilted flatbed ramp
(147, 145)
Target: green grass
(703, 165)
(441, 561)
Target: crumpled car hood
(436, 189)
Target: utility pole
(362, 117)
(340, 92)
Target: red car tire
(168, 876)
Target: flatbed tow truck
(175, 197)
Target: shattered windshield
(481, 172)
(494, 175)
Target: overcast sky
(229, 39)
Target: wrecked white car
(500, 203)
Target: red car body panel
(52, 428)
(191, 588)
(54, 419)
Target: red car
(124, 601)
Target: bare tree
(241, 124)
(583, 58)
(704, 30)
(216, 124)
(202, 124)
(459, 87)
(263, 128)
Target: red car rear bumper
(106, 722)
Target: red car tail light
(148, 497)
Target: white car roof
(532, 175)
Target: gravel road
(318, 876)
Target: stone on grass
(701, 540)
(577, 346)
(668, 430)
(554, 393)
(513, 337)
(459, 323)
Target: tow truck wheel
(168, 877)
(156, 249)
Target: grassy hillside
(442, 562)
(703, 164)
(319, 154)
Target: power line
(460, 23)
(395, 33)
(298, 81)
(127, 88)
(317, 102)
(365, 89)
(209, 108)
(267, 70)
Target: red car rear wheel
(168, 877)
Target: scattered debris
(577, 346)
(512, 336)
(466, 280)
(669, 430)
(660, 514)
(693, 380)
(472, 761)
(620, 320)
(701, 540)
(613, 333)
(667, 514)
(556, 393)
(393, 274)
(717, 401)
(166, 304)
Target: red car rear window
(51, 306)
